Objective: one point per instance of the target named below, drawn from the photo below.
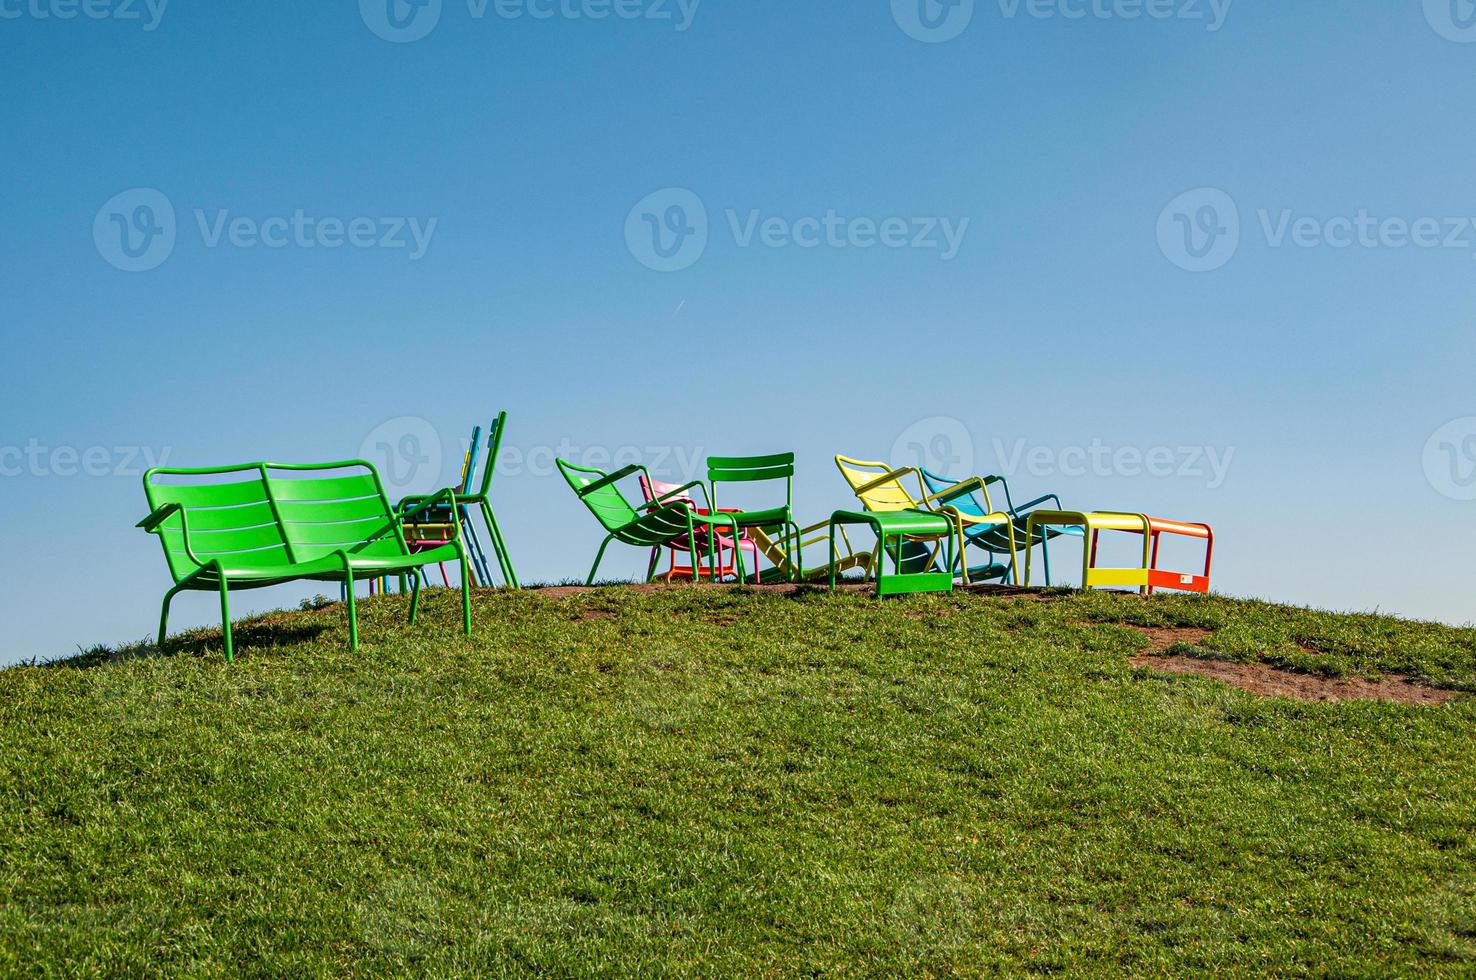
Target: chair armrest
(161, 514)
(411, 501)
(1038, 501)
(661, 500)
(447, 495)
(885, 477)
(959, 489)
(615, 477)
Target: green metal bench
(261, 524)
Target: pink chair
(724, 543)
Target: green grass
(722, 781)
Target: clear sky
(1215, 261)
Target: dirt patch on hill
(1268, 681)
(1163, 637)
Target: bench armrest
(161, 514)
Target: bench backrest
(259, 515)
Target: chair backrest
(606, 503)
(652, 489)
(494, 448)
(965, 504)
(329, 507)
(469, 461)
(751, 469)
(260, 515)
(887, 495)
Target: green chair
(260, 524)
(482, 499)
(655, 524)
(759, 469)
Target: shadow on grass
(263, 634)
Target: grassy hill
(719, 780)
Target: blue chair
(993, 539)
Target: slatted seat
(262, 524)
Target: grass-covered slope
(718, 780)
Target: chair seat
(759, 518)
(894, 522)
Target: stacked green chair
(481, 499)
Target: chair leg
(164, 617)
(225, 620)
(598, 556)
(414, 597)
(499, 545)
(651, 566)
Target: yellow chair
(881, 488)
(785, 569)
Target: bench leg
(225, 620)
(353, 616)
(465, 594)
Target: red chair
(725, 545)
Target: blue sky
(1055, 238)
